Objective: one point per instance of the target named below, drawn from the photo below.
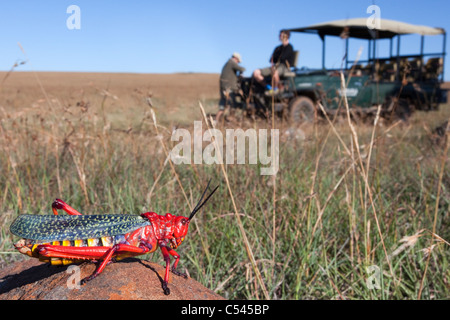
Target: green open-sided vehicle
(400, 83)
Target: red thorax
(169, 228)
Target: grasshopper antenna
(200, 203)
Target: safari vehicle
(400, 83)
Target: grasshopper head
(181, 224)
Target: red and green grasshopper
(73, 238)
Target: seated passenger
(281, 60)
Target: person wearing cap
(281, 60)
(229, 83)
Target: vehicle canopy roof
(357, 28)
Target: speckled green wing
(47, 228)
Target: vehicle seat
(389, 71)
(416, 67)
(367, 69)
(357, 70)
(379, 69)
(433, 68)
(291, 73)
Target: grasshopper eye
(183, 221)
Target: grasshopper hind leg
(117, 249)
(58, 204)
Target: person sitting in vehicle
(283, 57)
(229, 84)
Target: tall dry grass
(347, 197)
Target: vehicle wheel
(301, 110)
(403, 110)
(395, 109)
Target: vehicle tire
(397, 109)
(301, 110)
(403, 110)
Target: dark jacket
(283, 54)
(229, 75)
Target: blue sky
(189, 36)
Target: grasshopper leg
(103, 254)
(118, 249)
(58, 204)
(167, 252)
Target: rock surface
(129, 279)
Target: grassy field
(349, 204)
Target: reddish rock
(129, 279)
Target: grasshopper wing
(47, 228)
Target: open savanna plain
(355, 211)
